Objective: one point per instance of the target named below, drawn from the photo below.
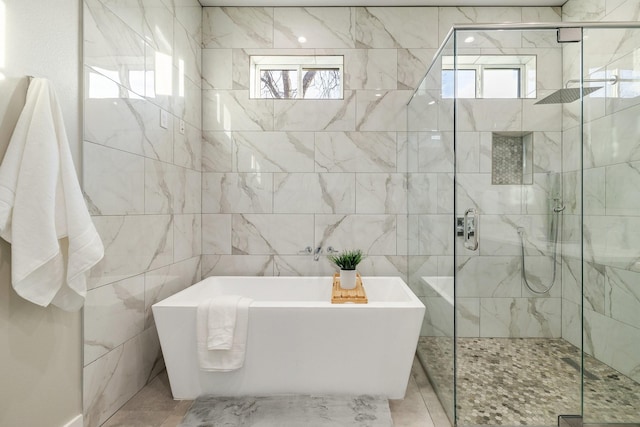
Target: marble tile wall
(281, 175)
(610, 272)
(493, 300)
(142, 182)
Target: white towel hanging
(42, 211)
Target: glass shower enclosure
(524, 222)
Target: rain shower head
(566, 95)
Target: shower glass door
(610, 199)
(517, 361)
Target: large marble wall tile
(489, 276)
(623, 296)
(314, 193)
(187, 236)
(217, 151)
(162, 182)
(166, 281)
(546, 38)
(612, 342)
(216, 69)
(489, 115)
(302, 265)
(188, 104)
(412, 66)
(216, 234)
(258, 234)
(475, 190)
(128, 124)
(113, 314)
(584, 10)
(375, 69)
(133, 244)
(381, 193)
(322, 27)
(237, 192)
(187, 55)
(112, 48)
(233, 110)
(381, 110)
(438, 319)
(407, 149)
(419, 269)
(541, 117)
(572, 280)
(377, 266)
(435, 152)
(499, 235)
(273, 151)
(448, 16)
(537, 198)
(572, 323)
(189, 200)
(316, 115)
(520, 317)
(435, 235)
(468, 317)
(445, 193)
(624, 94)
(402, 235)
(612, 241)
(374, 234)
(187, 147)
(547, 151)
(237, 27)
(355, 151)
(467, 152)
(397, 27)
(237, 265)
(427, 110)
(112, 380)
(189, 15)
(618, 130)
(622, 184)
(114, 184)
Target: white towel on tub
(222, 360)
(222, 321)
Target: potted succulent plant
(347, 261)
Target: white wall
(40, 353)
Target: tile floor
(530, 381)
(153, 406)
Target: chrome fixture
(470, 229)
(316, 253)
(306, 250)
(332, 250)
(570, 94)
(556, 209)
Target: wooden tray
(356, 295)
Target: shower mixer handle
(470, 229)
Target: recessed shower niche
(511, 158)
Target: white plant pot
(348, 279)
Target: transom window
(490, 76)
(296, 77)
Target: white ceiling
(304, 3)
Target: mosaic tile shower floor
(513, 382)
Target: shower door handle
(471, 229)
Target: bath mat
(289, 411)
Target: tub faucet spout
(316, 253)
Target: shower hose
(556, 211)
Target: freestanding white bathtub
(298, 342)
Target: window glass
(466, 83)
(501, 83)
